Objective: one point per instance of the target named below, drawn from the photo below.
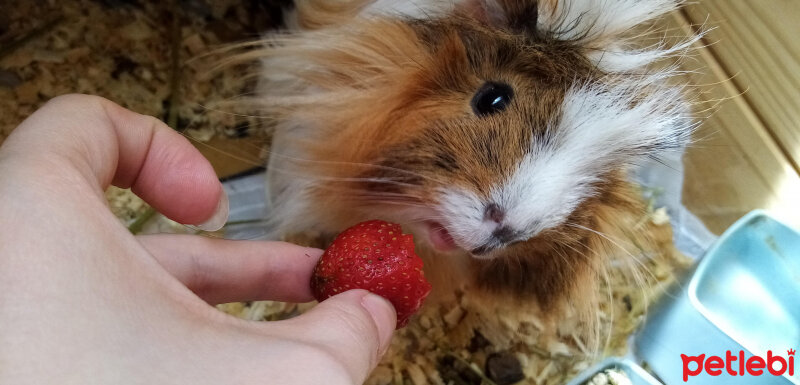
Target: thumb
(354, 327)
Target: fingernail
(220, 216)
(315, 253)
(383, 314)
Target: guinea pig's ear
(598, 19)
(600, 27)
(569, 20)
(603, 28)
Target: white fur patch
(601, 128)
(462, 211)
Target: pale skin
(82, 301)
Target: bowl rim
(621, 363)
(703, 265)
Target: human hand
(84, 301)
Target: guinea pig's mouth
(439, 237)
(441, 240)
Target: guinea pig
(499, 132)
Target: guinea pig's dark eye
(492, 97)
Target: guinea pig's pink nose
(494, 213)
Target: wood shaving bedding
(122, 50)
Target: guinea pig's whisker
(230, 100)
(359, 164)
(384, 194)
(323, 178)
(640, 272)
(608, 285)
(411, 174)
(423, 220)
(404, 202)
(226, 153)
(403, 199)
(519, 263)
(407, 203)
(356, 192)
(637, 269)
(563, 256)
(392, 198)
(618, 245)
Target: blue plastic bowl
(743, 296)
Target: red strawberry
(378, 257)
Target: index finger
(106, 143)
(221, 270)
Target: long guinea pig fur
(499, 132)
